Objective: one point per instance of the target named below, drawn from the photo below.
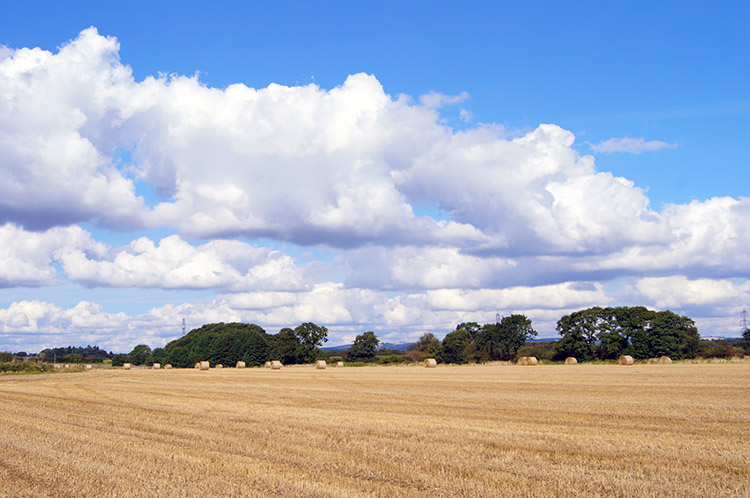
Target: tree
(158, 355)
(514, 331)
(119, 360)
(74, 358)
(580, 331)
(139, 354)
(178, 357)
(287, 347)
(454, 347)
(746, 339)
(310, 337)
(363, 348)
(427, 346)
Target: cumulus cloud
(529, 223)
(342, 167)
(727, 297)
(28, 258)
(174, 263)
(630, 145)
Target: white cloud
(435, 100)
(27, 258)
(527, 221)
(630, 145)
(680, 293)
(174, 263)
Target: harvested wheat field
(493, 430)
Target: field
(492, 430)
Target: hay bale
(430, 363)
(528, 360)
(57, 366)
(571, 361)
(219, 366)
(198, 365)
(240, 364)
(339, 363)
(625, 360)
(127, 366)
(267, 365)
(204, 365)
(665, 360)
(67, 366)
(320, 364)
(168, 366)
(89, 367)
(276, 365)
(156, 366)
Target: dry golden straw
(339, 363)
(492, 431)
(204, 365)
(167, 366)
(665, 360)
(276, 365)
(126, 366)
(528, 360)
(240, 364)
(156, 366)
(625, 360)
(571, 361)
(320, 364)
(430, 363)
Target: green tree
(310, 337)
(178, 357)
(287, 347)
(746, 340)
(427, 346)
(119, 360)
(74, 358)
(454, 347)
(139, 354)
(363, 348)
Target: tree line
(591, 334)
(228, 343)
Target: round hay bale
(430, 363)
(219, 366)
(67, 366)
(240, 364)
(168, 366)
(127, 366)
(276, 365)
(198, 365)
(89, 367)
(571, 361)
(625, 360)
(204, 365)
(268, 364)
(339, 363)
(156, 366)
(665, 360)
(528, 360)
(320, 364)
(57, 366)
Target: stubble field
(493, 430)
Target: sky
(399, 167)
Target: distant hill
(398, 346)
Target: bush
(541, 350)
(21, 366)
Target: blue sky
(648, 106)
